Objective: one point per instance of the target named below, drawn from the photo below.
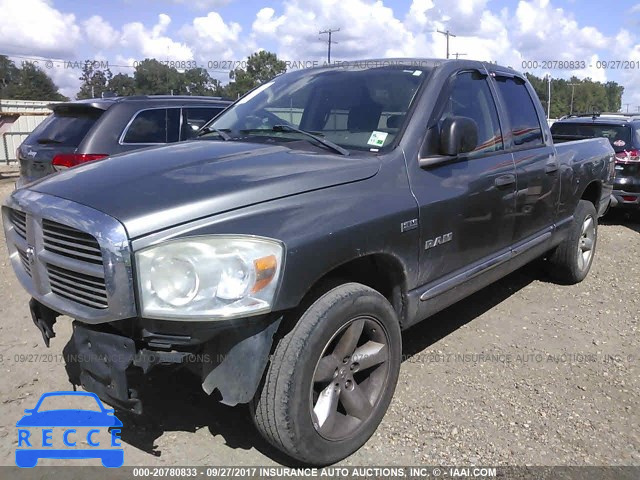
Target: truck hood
(153, 189)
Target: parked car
(281, 254)
(623, 132)
(86, 130)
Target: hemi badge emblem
(409, 225)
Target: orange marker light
(265, 270)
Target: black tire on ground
(332, 377)
(571, 260)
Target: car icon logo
(31, 153)
(40, 427)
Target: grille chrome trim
(72, 258)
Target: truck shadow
(630, 220)
(175, 402)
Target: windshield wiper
(326, 143)
(224, 135)
(43, 141)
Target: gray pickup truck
(280, 254)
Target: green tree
(197, 81)
(8, 74)
(154, 78)
(262, 66)
(122, 85)
(31, 83)
(94, 81)
(588, 96)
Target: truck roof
(418, 62)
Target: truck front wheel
(332, 377)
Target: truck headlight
(209, 277)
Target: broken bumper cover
(110, 364)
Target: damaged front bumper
(110, 359)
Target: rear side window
(159, 125)
(194, 119)
(620, 136)
(525, 125)
(65, 129)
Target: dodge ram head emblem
(31, 255)
(438, 240)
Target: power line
(447, 34)
(459, 55)
(329, 42)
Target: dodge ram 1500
(280, 254)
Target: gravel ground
(524, 372)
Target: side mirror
(458, 135)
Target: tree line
(588, 96)
(151, 77)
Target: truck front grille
(19, 221)
(24, 259)
(70, 242)
(72, 258)
(80, 288)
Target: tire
(309, 408)
(571, 260)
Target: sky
(220, 34)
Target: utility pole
(447, 34)
(627, 104)
(549, 96)
(573, 87)
(459, 55)
(329, 42)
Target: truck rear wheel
(572, 259)
(332, 377)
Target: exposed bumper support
(109, 363)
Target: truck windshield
(618, 135)
(354, 108)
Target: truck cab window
(471, 97)
(525, 125)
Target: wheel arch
(383, 272)
(592, 193)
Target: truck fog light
(174, 280)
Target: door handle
(551, 167)
(505, 180)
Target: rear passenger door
(194, 118)
(154, 126)
(536, 164)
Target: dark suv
(86, 130)
(623, 131)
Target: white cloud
(153, 43)
(35, 27)
(368, 29)
(215, 40)
(99, 32)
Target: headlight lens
(209, 278)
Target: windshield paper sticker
(377, 138)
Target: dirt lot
(523, 372)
